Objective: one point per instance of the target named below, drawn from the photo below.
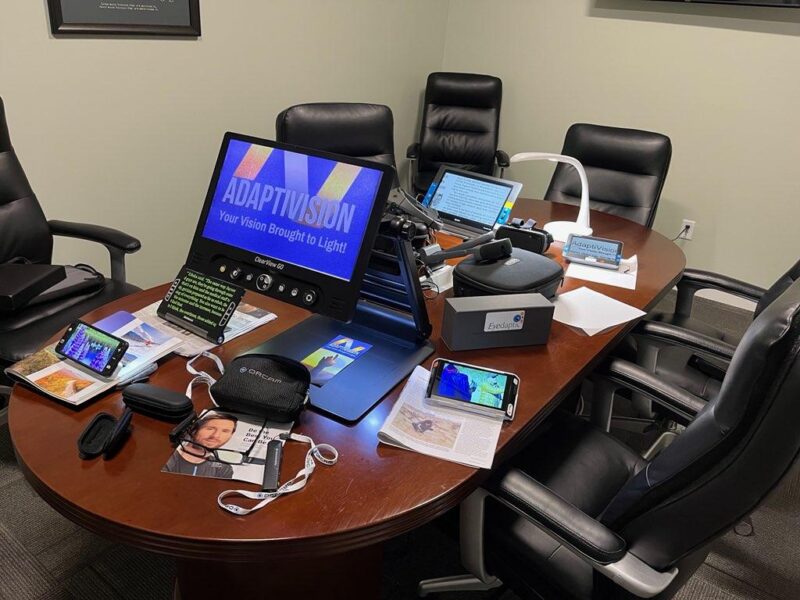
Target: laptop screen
(470, 200)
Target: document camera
(302, 226)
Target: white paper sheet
(624, 276)
(245, 319)
(592, 312)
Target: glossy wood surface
(374, 492)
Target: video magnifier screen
(472, 385)
(304, 210)
(90, 347)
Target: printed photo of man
(211, 432)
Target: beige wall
(124, 132)
(722, 82)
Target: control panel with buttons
(270, 283)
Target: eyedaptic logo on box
(507, 320)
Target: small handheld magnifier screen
(92, 348)
(473, 389)
(595, 251)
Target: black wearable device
(525, 237)
(272, 469)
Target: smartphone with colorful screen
(473, 389)
(92, 348)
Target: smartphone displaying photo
(473, 388)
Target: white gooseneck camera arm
(561, 230)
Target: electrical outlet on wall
(687, 232)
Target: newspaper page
(445, 433)
(246, 318)
(218, 430)
(66, 381)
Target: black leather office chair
(579, 515)
(5, 394)
(686, 351)
(626, 169)
(26, 234)
(350, 128)
(460, 127)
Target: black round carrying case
(522, 273)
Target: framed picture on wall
(125, 17)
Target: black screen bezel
(116, 357)
(332, 288)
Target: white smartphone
(473, 389)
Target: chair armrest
(502, 159)
(564, 523)
(694, 280)
(116, 242)
(634, 377)
(96, 233)
(686, 337)
(542, 506)
(413, 151)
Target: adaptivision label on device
(507, 320)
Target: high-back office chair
(626, 169)
(688, 352)
(579, 515)
(460, 127)
(349, 128)
(26, 235)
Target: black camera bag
(522, 273)
(264, 385)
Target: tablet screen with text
(471, 200)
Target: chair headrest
(618, 149)
(464, 89)
(351, 128)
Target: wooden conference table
(326, 540)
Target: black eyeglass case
(105, 434)
(157, 402)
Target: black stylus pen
(272, 468)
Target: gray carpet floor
(43, 556)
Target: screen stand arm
(391, 317)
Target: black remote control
(272, 469)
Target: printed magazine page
(218, 430)
(445, 433)
(66, 381)
(246, 318)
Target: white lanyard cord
(202, 376)
(324, 453)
